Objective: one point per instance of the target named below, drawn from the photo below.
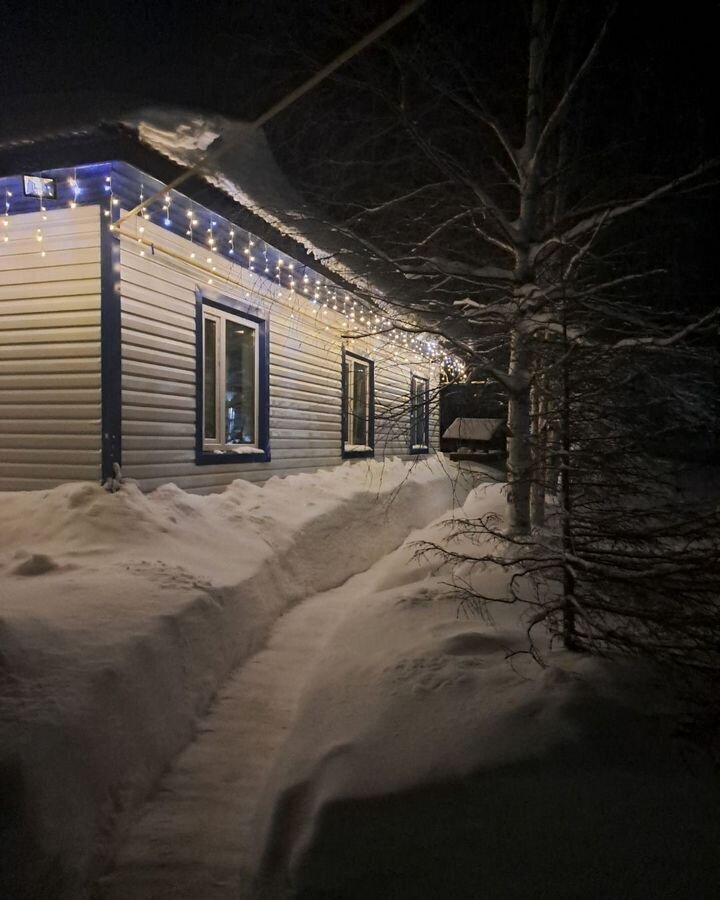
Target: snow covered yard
(122, 614)
(426, 763)
(377, 744)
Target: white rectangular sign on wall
(39, 186)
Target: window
(419, 414)
(232, 376)
(358, 406)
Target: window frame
(345, 418)
(221, 309)
(415, 448)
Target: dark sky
(233, 57)
(236, 56)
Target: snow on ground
(426, 763)
(379, 746)
(195, 835)
(122, 614)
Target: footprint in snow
(37, 564)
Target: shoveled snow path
(194, 837)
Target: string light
(75, 186)
(142, 200)
(167, 206)
(365, 320)
(190, 232)
(108, 190)
(6, 217)
(39, 232)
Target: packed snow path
(194, 838)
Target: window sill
(419, 448)
(357, 451)
(229, 457)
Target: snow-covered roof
(241, 165)
(244, 168)
(466, 429)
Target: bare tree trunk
(539, 447)
(519, 438)
(519, 452)
(568, 584)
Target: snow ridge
(115, 647)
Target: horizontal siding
(50, 350)
(158, 363)
(67, 335)
(69, 269)
(60, 441)
(72, 287)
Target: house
(213, 335)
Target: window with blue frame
(358, 405)
(232, 376)
(419, 414)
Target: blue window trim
(357, 454)
(110, 351)
(412, 448)
(204, 298)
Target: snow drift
(430, 758)
(121, 614)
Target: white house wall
(158, 371)
(50, 349)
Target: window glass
(418, 411)
(358, 403)
(239, 383)
(358, 411)
(210, 380)
(230, 366)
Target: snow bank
(428, 760)
(121, 614)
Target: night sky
(236, 57)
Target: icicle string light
(167, 207)
(6, 217)
(107, 187)
(296, 284)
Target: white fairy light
(6, 217)
(142, 200)
(192, 221)
(75, 186)
(108, 190)
(167, 206)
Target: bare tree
(491, 197)
(517, 221)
